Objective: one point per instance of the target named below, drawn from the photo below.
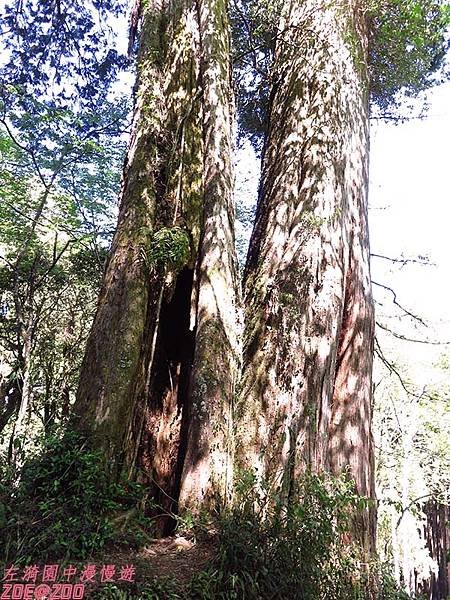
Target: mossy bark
(144, 365)
(112, 366)
(305, 401)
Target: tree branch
(421, 260)
(379, 352)
(406, 311)
(408, 339)
(406, 509)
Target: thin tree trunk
(19, 431)
(408, 525)
(395, 546)
(10, 397)
(306, 390)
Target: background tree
(59, 173)
(411, 423)
(57, 195)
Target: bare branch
(390, 366)
(408, 339)
(407, 508)
(56, 257)
(406, 311)
(420, 260)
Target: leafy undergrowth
(63, 505)
(63, 509)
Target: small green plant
(170, 247)
(110, 592)
(273, 549)
(269, 547)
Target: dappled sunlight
(309, 319)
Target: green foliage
(301, 551)
(407, 47)
(412, 441)
(57, 197)
(170, 247)
(64, 504)
(388, 589)
(69, 48)
(270, 550)
(254, 29)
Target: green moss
(312, 221)
(287, 299)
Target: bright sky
(410, 208)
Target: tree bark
(10, 399)
(112, 362)
(155, 376)
(207, 473)
(305, 401)
(438, 543)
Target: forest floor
(175, 557)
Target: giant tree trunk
(157, 372)
(305, 400)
